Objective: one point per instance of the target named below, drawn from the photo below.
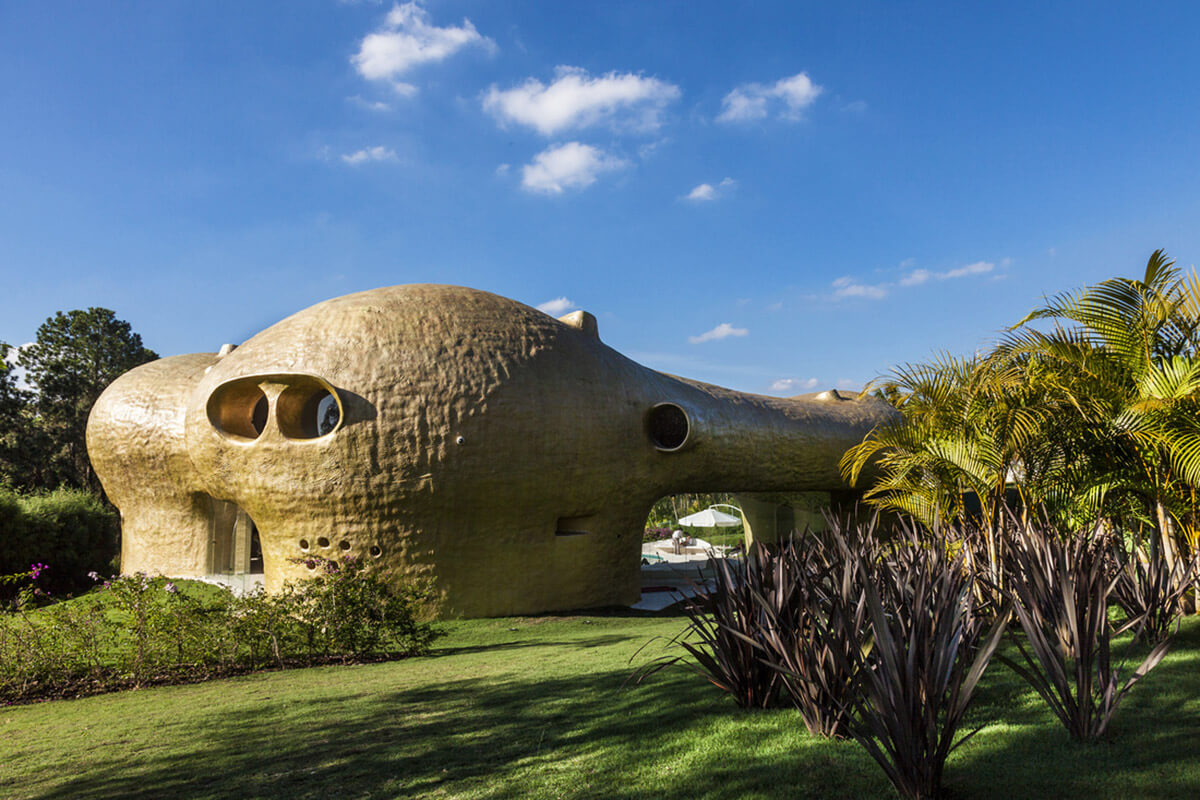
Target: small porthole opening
(344, 545)
(322, 542)
(304, 544)
(668, 426)
(376, 551)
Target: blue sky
(775, 197)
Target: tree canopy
(74, 356)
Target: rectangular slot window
(574, 526)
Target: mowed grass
(538, 707)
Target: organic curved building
(443, 433)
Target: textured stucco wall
(506, 455)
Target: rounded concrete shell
(136, 441)
(452, 434)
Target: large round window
(668, 426)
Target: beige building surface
(441, 433)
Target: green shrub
(351, 610)
(137, 630)
(71, 530)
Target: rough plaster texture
(508, 456)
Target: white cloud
(722, 331)
(379, 153)
(978, 268)
(848, 287)
(706, 191)
(650, 148)
(797, 92)
(920, 276)
(370, 105)
(750, 101)
(743, 105)
(575, 100)
(794, 385)
(406, 40)
(556, 307)
(568, 166)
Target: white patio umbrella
(710, 518)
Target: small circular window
(668, 426)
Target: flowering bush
(349, 609)
(656, 534)
(22, 586)
(136, 630)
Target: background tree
(74, 357)
(13, 402)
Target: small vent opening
(574, 526)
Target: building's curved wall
(508, 456)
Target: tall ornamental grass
(1061, 589)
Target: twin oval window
(309, 408)
(306, 408)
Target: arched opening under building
(665, 514)
(763, 516)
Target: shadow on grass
(584, 736)
(580, 644)
(511, 739)
(1149, 752)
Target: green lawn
(534, 707)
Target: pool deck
(676, 576)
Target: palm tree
(968, 428)
(1125, 354)
(1096, 415)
